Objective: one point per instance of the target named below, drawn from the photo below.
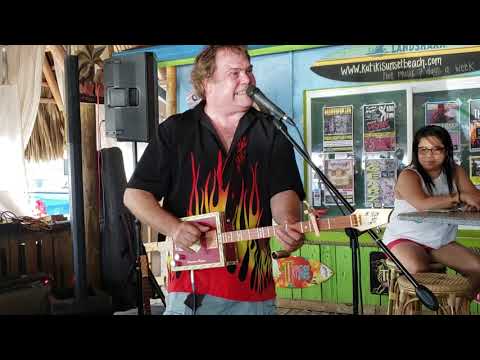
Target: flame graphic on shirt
(205, 203)
(254, 256)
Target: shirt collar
(245, 122)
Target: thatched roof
(48, 138)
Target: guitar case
(117, 232)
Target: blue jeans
(212, 305)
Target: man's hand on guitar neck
(188, 233)
(289, 236)
(286, 210)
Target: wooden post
(52, 83)
(109, 51)
(90, 193)
(58, 53)
(171, 90)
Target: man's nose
(245, 77)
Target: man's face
(226, 90)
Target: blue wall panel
(284, 77)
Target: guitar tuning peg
(305, 202)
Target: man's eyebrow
(250, 67)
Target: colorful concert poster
(475, 125)
(380, 176)
(446, 115)
(340, 174)
(475, 170)
(338, 128)
(379, 127)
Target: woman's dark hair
(448, 165)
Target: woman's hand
(471, 200)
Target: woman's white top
(428, 234)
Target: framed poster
(446, 115)
(338, 128)
(475, 171)
(474, 116)
(379, 127)
(380, 178)
(340, 173)
(317, 159)
(399, 138)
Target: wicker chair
(392, 276)
(450, 290)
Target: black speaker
(131, 97)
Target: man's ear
(205, 87)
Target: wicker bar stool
(392, 276)
(450, 290)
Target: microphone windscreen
(251, 90)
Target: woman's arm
(409, 187)
(469, 194)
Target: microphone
(259, 98)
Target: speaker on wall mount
(131, 97)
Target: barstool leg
(451, 303)
(392, 296)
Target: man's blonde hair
(204, 66)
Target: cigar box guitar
(217, 246)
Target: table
(469, 218)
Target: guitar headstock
(369, 218)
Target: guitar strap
(193, 301)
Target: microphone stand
(423, 293)
(140, 251)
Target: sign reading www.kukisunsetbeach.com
(405, 66)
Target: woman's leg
(413, 256)
(461, 259)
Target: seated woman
(433, 181)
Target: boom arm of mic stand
(423, 293)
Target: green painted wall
(332, 248)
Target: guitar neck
(339, 222)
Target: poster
(317, 197)
(475, 125)
(446, 115)
(338, 128)
(379, 127)
(475, 171)
(340, 173)
(380, 177)
(317, 159)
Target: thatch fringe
(48, 139)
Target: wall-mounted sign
(395, 67)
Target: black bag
(117, 231)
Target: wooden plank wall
(24, 252)
(338, 289)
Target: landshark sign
(404, 66)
